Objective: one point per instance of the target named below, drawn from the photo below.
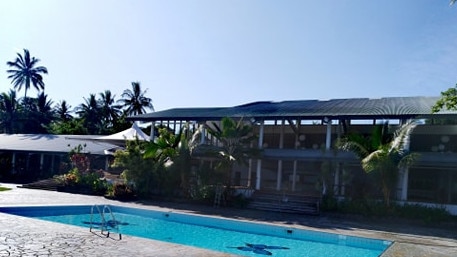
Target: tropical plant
(447, 101)
(134, 101)
(25, 72)
(89, 111)
(69, 127)
(109, 111)
(63, 111)
(39, 114)
(234, 144)
(137, 170)
(383, 155)
(9, 107)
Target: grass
(4, 188)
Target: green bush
(374, 208)
(121, 191)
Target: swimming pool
(223, 235)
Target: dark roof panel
(362, 108)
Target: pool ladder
(104, 225)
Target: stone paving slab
(21, 236)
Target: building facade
(298, 139)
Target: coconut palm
(110, 112)
(383, 157)
(134, 101)
(89, 111)
(63, 111)
(40, 115)
(25, 72)
(9, 107)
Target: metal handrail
(104, 226)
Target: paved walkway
(20, 236)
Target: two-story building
(298, 142)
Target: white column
(297, 134)
(294, 175)
(249, 173)
(328, 139)
(281, 146)
(41, 162)
(202, 135)
(151, 135)
(259, 162)
(336, 183)
(13, 164)
(404, 186)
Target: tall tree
(109, 110)
(25, 72)
(9, 111)
(89, 111)
(37, 114)
(63, 111)
(447, 101)
(134, 101)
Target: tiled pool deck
(21, 236)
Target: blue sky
(200, 53)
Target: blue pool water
(223, 235)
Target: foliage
(447, 101)
(68, 127)
(87, 181)
(137, 170)
(25, 72)
(135, 101)
(383, 155)
(235, 139)
(121, 191)
(4, 188)
(371, 208)
(81, 177)
(98, 116)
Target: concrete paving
(21, 236)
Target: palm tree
(89, 111)
(24, 71)
(383, 156)
(40, 115)
(63, 111)
(109, 110)
(235, 139)
(9, 110)
(134, 100)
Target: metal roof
(46, 143)
(356, 108)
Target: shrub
(121, 191)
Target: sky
(206, 53)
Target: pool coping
(404, 244)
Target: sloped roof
(132, 133)
(46, 143)
(355, 108)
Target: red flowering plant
(81, 175)
(80, 160)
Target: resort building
(298, 139)
(27, 157)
